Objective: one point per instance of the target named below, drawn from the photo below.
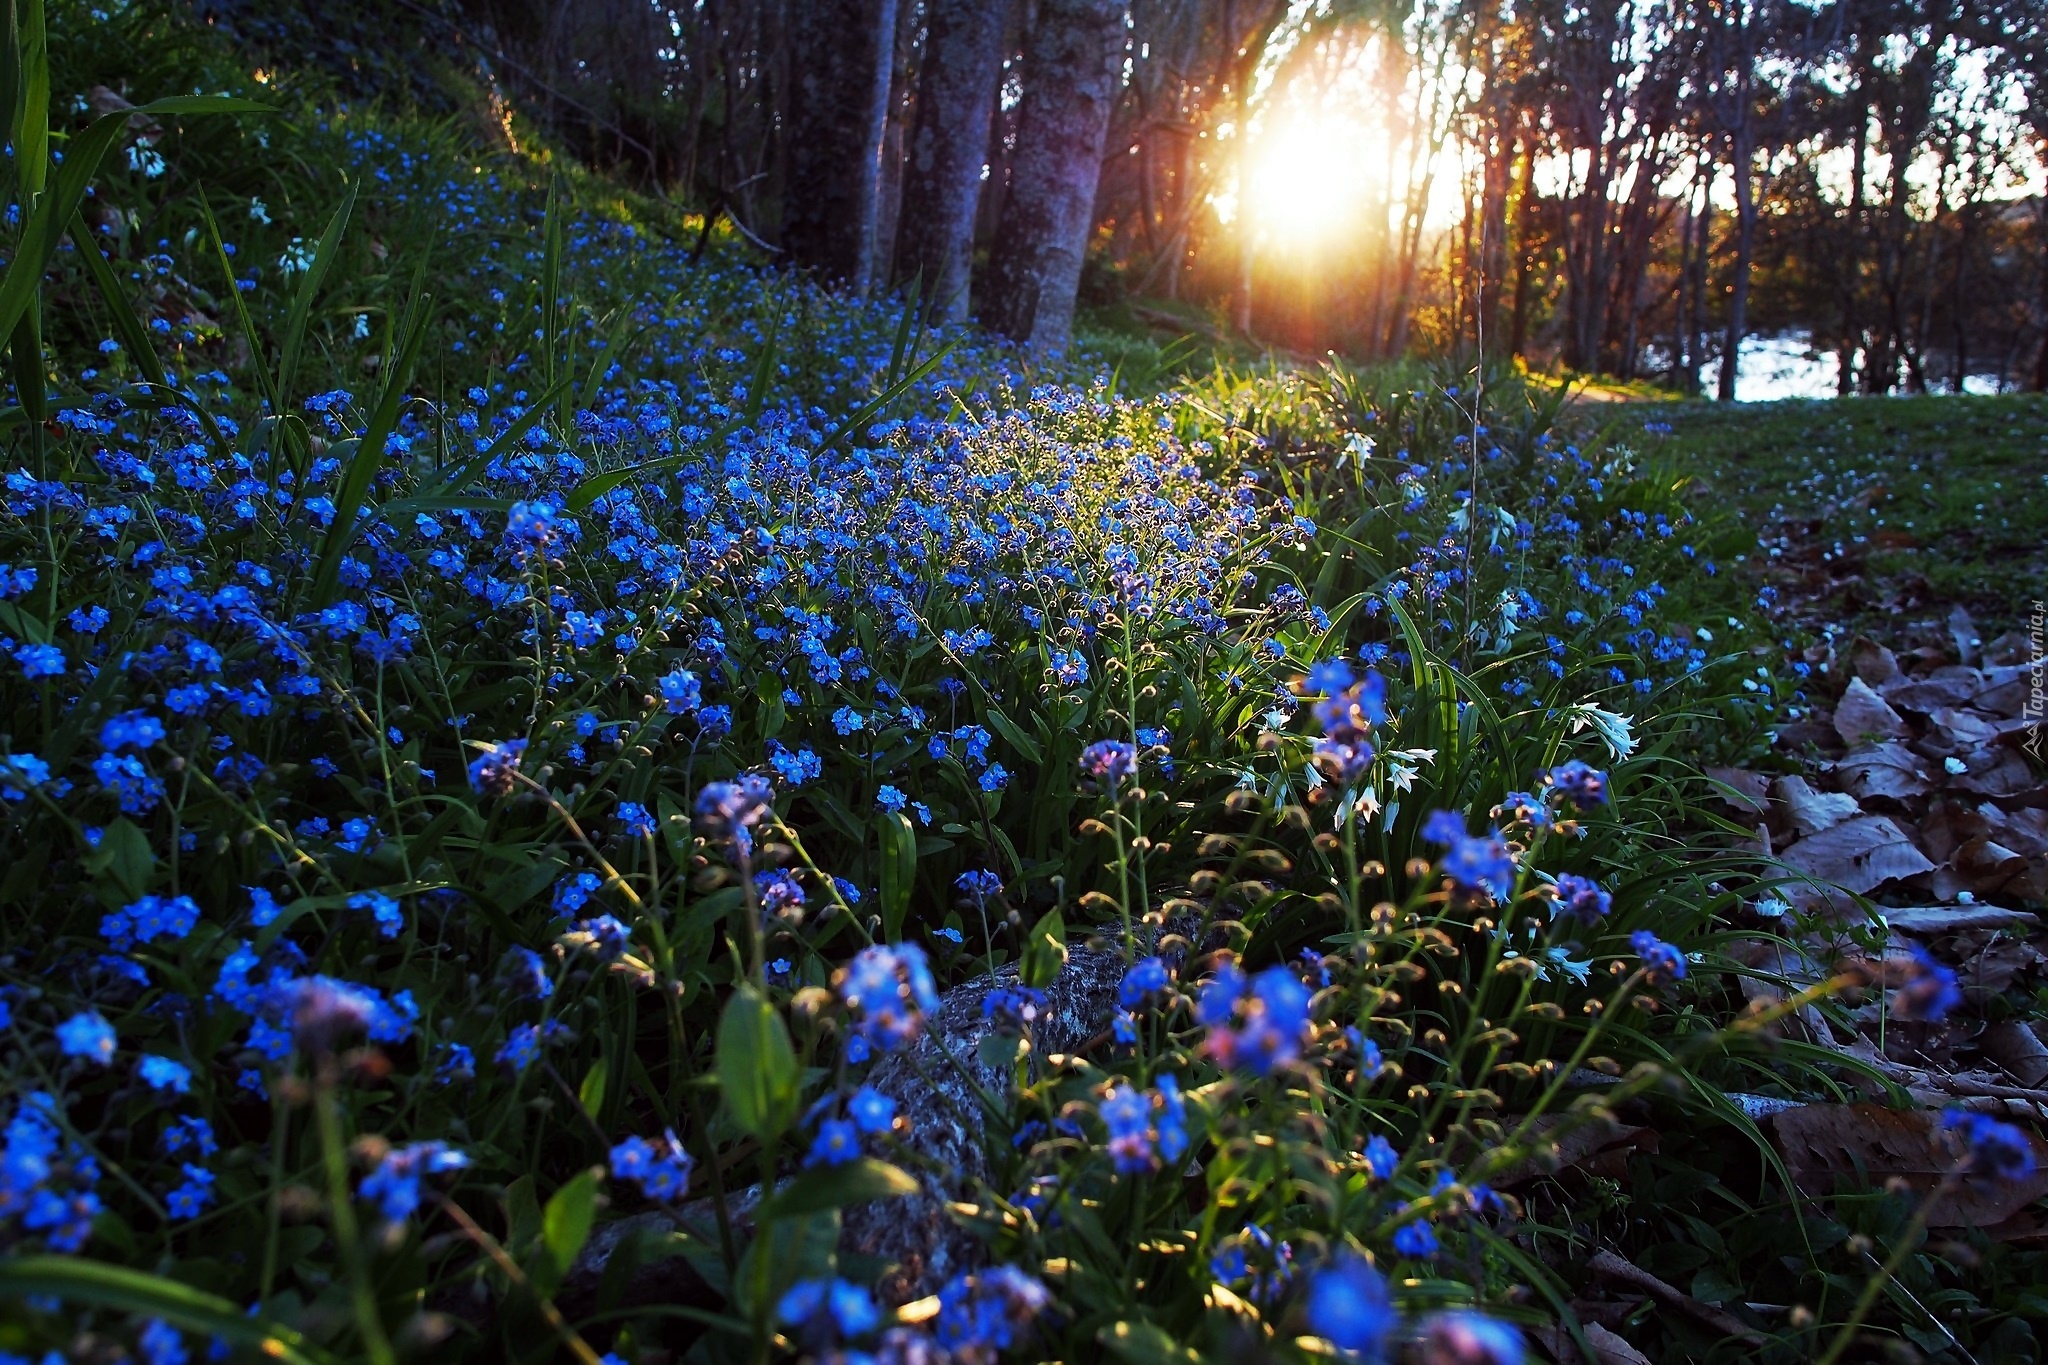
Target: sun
(1307, 183)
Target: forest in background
(1623, 187)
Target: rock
(942, 1118)
(918, 1235)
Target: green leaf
(18, 621)
(1045, 951)
(1018, 740)
(898, 873)
(875, 407)
(999, 1051)
(361, 468)
(773, 713)
(591, 1093)
(756, 1066)
(522, 1216)
(28, 105)
(566, 1223)
(503, 441)
(302, 303)
(833, 1187)
(124, 854)
(265, 380)
(1145, 1343)
(122, 1290)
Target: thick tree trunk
(963, 61)
(841, 52)
(1071, 85)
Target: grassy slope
(1933, 501)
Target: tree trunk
(963, 61)
(2039, 383)
(841, 52)
(1071, 85)
(904, 83)
(1851, 267)
(1741, 156)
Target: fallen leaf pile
(1923, 794)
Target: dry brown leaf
(1992, 968)
(1832, 1147)
(1576, 1139)
(2009, 648)
(1608, 1349)
(1861, 854)
(1749, 792)
(2018, 1049)
(1963, 631)
(1963, 728)
(1923, 696)
(1994, 770)
(1812, 811)
(1861, 714)
(1872, 662)
(1989, 866)
(2009, 690)
(1927, 920)
(1886, 772)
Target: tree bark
(1741, 155)
(841, 52)
(2040, 378)
(1071, 85)
(963, 61)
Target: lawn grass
(1930, 501)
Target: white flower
(1955, 765)
(1562, 960)
(259, 212)
(1613, 729)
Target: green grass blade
(903, 330)
(77, 1280)
(478, 463)
(126, 325)
(764, 370)
(369, 452)
(551, 288)
(882, 400)
(265, 380)
(309, 288)
(31, 106)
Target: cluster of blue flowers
(557, 755)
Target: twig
(1609, 1266)
(578, 1347)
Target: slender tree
(963, 62)
(1071, 85)
(840, 56)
